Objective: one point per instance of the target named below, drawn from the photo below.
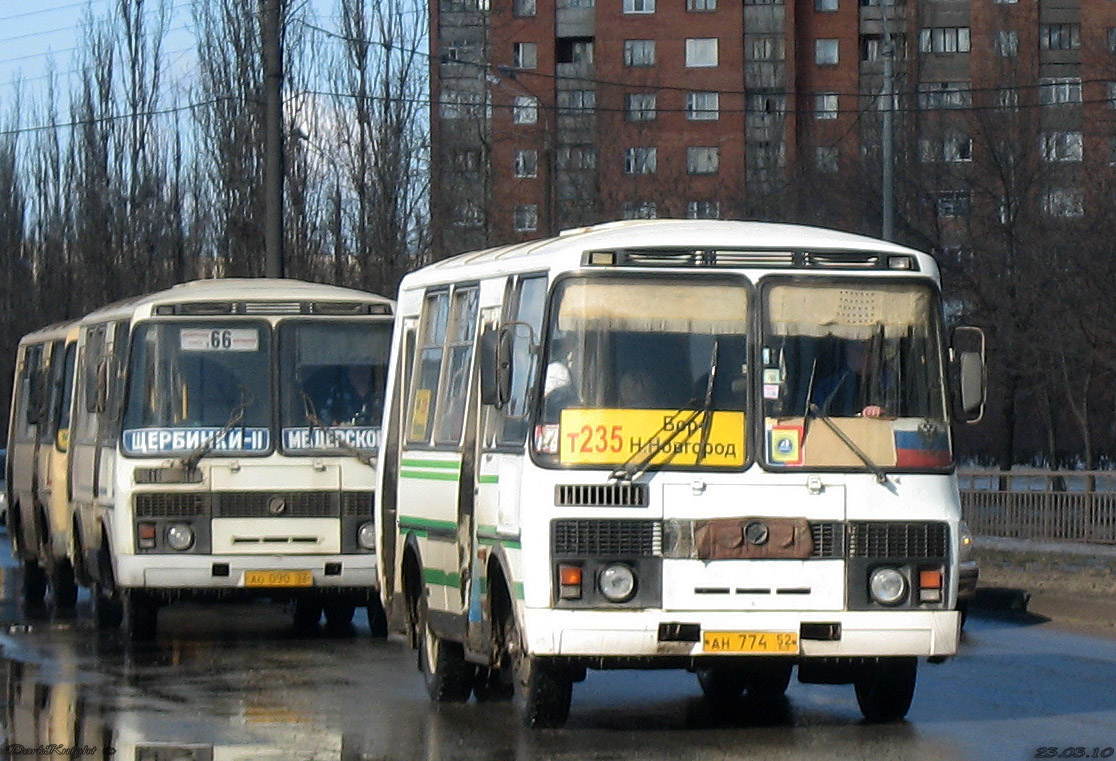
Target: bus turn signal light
(569, 581)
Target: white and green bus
(222, 446)
(717, 446)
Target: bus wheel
(108, 613)
(884, 689)
(141, 616)
(492, 685)
(448, 676)
(63, 588)
(34, 585)
(377, 618)
(307, 613)
(769, 680)
(338, 615)
(542, 692)
(721, 683)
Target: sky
(36, 34)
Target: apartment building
(551, 114)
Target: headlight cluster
(892, 586)
(616, 582)
(366, 536)
(178, 536)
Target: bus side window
(428, 368)
(524, 301)
(454, 394)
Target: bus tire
(720, 684)
(141, 616)
(338, 614)
(885, 689)
(492, 686)
(307, 613)
(108, 613)
(63, 588)
(769, 679)
(377, 618)
(33, 585)
(446, 673)
(541, 691)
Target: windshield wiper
(881, 476)
(190, 461)
(623, 473)
(363, 456)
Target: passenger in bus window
(559, 391)
(843, 386)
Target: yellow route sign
(612, 436)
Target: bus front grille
(897, 539)
(829, 540)
(611, 538)
(171, 504)
(357, 503)
(307, 504)
(621, 494)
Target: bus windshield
(200, 384)
(647, 368)
(851, 366)
(332, 384)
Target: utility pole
(887, 140)
(271, 15)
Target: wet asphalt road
(234, 682)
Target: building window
(957, 149)
(768, 47)
(1112, 151)
(944, 39)
(577, 157)
(702, 106)
(1007, 43)
(1005, 2)
(639, 6)
(640, 106)
(573, 50)
(1063, 202)
(527, 163)
(525, 55)
(825, 6)
(701, 52)
(459, 104)
(1110, 91)
(1060, 36)
(457, 50)
(826, 52)
(638, 210)
(640, 160)
(466, 160)
(576, 3)
(954, 203)
(703, 210)
(523, 8)
(944, 95)
(526, 218)
(1061, 147)
(639, 53)
(701, 6)
(825, 159)
(703, 160)
(1058, 90)
(1111, 31)
(1007, 99)
(871, 47)
(578, 101)
(469, 214)
(825, 105)
(525, 110)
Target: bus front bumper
(262, 573)
(653, 634)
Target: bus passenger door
(389, 461)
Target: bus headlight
(617, 582)
(888, 586)
(180, 536)
(366, 536)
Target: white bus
(39, 520)
(223, 446)
(719, 446)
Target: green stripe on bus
(427, 476)
(518, 587)
(443, 464)
(489, 479)
(424, 524)
(441, 578)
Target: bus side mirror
(971, 373)
(101, 389)
(495, 369)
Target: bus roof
(261, 290)
(567, 249)
(53, 332)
